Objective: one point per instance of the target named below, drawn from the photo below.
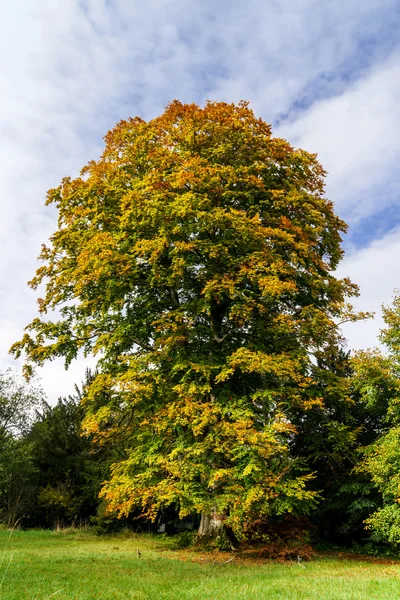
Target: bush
(284, 539)
(185, 539)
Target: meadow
(39, 565)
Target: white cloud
(356, 136)
(376, 270)
(75, 67)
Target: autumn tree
(196, 259)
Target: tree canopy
(378, 377)
(196, 258)
(19, 406)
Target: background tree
(19, 404)
(50, 475)
(69, 467)
(329, 439)
(378, 378)
(196, 257)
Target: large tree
(196, 258)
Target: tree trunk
(210, 525)
(214, 533)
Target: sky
(324, 73)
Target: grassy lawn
(37, 565)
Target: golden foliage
(196, 257)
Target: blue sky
(325, 73)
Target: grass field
(39, 565)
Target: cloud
(75, 67)
(356, 136)
(376, 270)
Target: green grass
(38, 565)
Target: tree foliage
(196, 258)
(378, 375)
(50, 474)
(19, 404)
(70, 467)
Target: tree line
(50, 475)
(197, 260)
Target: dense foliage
(18, 405)
(380, 376)
(50, 475)
(196, 258)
